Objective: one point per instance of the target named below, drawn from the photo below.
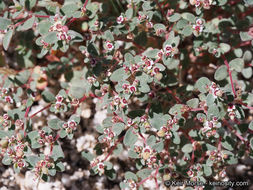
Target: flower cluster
(120, 19)
(42, 167)
(215, 90)
(231, 111)
(70, 126)
(98, 166)
(45, 138)
(198, 27)
(5, 94)
(60, 28)
(148, 154)
(210, 127)
(132, 185)
(195, 171)
(149, 66)
(143, 122)
(109, 46)
(217, 156)
(5, 121)
(118, 102)
(130, 89)
(169, 51)
(59, 105)
(206, 4)
(165, 130)
(15, 150)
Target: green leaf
(4, 134)
(132, 154)
(213, 110)
(193, 103)
(202, 84)
(247, 72)
(171, 63)
(118, 150)
(144, 173)
(108, 35)
(207, 170)
(187, 148)
(52, 171)
(175, 17)
(118, 75)
(221, 73)
(129, 13)
(131, 175)
(111, 174)
(63, 133)
(53, 123)
(50, 38)
(245, 36)
(69, 9)
(151, 140)
(158, 146)
(237, 64)
(189, 16)
(6, 160)
(158, 120)
(23, 76)
(130, 138)
(251, 125)
(251, 143)
(44, 27)
(151, 53)
(60, 167)
(118, 128)
(28, 24)
(187, 31)
(7, 39)
(48, 96)
(57, 152)
(225, 47)
(75, 118)
(32, 160)
(88, 156)
(4, 23)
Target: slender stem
(249, 107)
(162, 11)
(42, 16)
(197, 109)
(40, 111)
(85, 4)
(27, 111)
(112, 149)
(230, 74)
(21, 22)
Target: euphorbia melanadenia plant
(174, 76)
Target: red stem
(40, 111)
(235, 132)
(112, 149)
(27, 111)
(71, 20)
(174, 96)
(42, 16)
(197, 109)
(230, 74)
(162, 11)
(249, 107)
(22, 21)
(85, 4)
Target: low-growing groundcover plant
(175, 77)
